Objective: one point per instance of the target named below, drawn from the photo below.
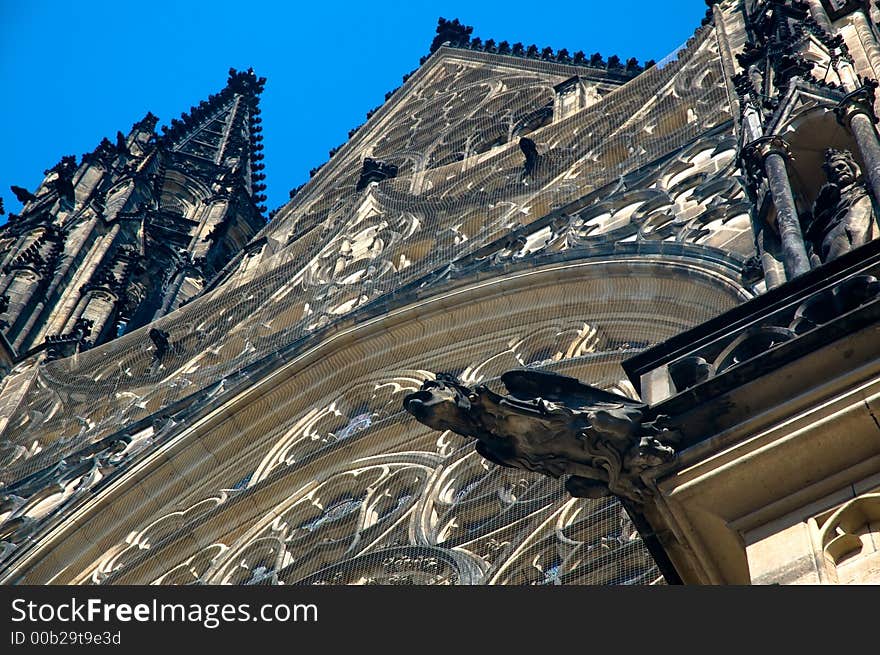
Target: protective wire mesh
(379, 498)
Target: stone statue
(551, 424)
(843, 215)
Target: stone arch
(631, 299)
(850, 540)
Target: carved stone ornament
(552, 424)
(838, 8)
(375, 170)
(160, 342)
(762, 147)
(860, 101)
(530, 151)
(843, 215)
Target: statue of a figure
(554, 425)
(843, 215)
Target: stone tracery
(620, 179)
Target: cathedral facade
(193, 395)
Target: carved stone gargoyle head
(444, 404)
(551, 424)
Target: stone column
(817, 11)
(867, 39)
(856, 111)
(866, 137)
(24, 283)
(752, 163)
(772, 152)
(768, 249)
(97, 305)
(75, 273)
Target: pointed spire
(141, 136)
(225, 130)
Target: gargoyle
(22, 194)
(375, 170)
(552, 424)
(64, 186)
(530, 150)
(160, 341)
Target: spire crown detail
(454, 34)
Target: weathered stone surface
(262, 423)
(843, 214)
(109, 242)
(551, 424)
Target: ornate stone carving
(160, 342)
(659, 177)
(835, 304)
(530, 151)
(42, 255)
(62, 182)
(752, 270)
(551, 424)
(50, 490)
(843, 215)
(22, 194)
(65, 345)
(375, 171)
(848, 536)
(860, 101)
(451, 32)
(690, 371)
(759, 149)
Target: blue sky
(74, 72)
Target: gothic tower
(135, 229)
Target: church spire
(134, 230)
(225, 130)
